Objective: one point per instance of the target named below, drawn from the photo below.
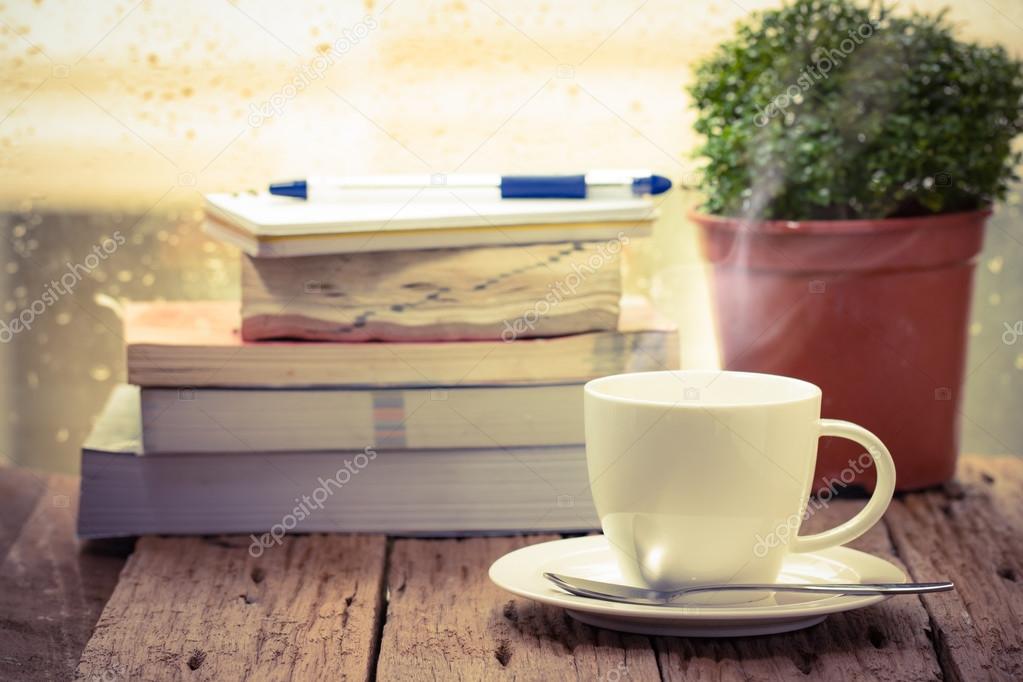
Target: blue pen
(599, 183)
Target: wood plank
(20, 490)
(971, 533)
(52, 587)
(447, 621)
(205, 609)
(883, 642)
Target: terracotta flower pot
(875, 312)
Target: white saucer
(520, 572)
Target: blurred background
(115, 117)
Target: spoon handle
(627, 594)
(852, 588)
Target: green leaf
(826, 109)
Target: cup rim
(594, 389)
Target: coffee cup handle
(876, 505)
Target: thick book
(270, 226)
(436, 295)
(192, 344)
(247, 420)
(126, 492)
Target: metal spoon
(643, 596)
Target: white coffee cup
(704, 476)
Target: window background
(116, 116)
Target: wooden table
(358, 607)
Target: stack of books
(401, 364)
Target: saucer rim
(505, 572)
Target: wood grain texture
(447, 621)
(883, 642)
(195, 608)
(205, 609)
(52, 587)
(971, 533)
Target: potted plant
(851, 161)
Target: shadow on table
(856, 641)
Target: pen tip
(659, 184)
(298, 189)
(653, 184)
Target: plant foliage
(831, 110)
